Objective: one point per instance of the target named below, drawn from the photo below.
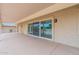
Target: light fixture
(55, 20)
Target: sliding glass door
(36, 28)
(46, 29)
(42, 29)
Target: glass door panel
(36, 28)
(46, 29)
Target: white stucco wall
(67, 27)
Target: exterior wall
(6, 29)
(22, 28)
(67, 27)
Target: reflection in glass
(36, 28)
(46, 29)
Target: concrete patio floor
(16, 43)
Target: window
(45, 28)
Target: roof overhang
(51, 9)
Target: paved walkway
(16, 43)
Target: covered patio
(17, 43)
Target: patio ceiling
(12, 12)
